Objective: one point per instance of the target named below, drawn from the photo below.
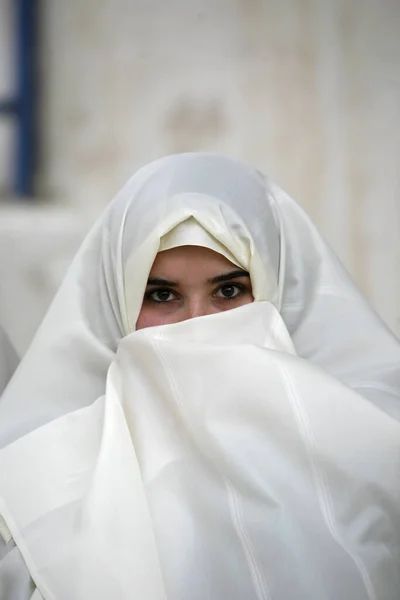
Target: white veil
(343, 455)
(8, 359)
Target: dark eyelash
(240, 286)
(148, 295)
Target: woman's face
(192, 281)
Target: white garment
(8, 360)
(215, 462)
(190, 233)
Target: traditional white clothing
(251, 454)
(8, 359)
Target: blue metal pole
(26, 47)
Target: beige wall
(308, 90)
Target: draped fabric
(8, 359)
(248, 454)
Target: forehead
(192, 259)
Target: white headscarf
(190, 233)
(218, 461)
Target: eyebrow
(229, 276)
(159, 281)
(218, 279)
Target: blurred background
(306, 90)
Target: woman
(157, 444)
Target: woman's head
(193, 275)
(201, 200)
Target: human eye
(160, 295)
(229, 291)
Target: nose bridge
(198, 305)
